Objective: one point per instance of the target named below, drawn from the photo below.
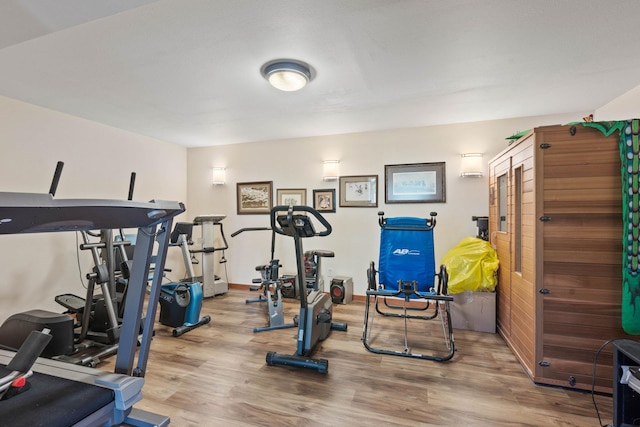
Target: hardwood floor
(217, 376)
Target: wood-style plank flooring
(217, 376)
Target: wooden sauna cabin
(555, 220)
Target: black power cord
(593, 380)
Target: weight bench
(409, 287)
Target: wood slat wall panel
(580, 157)
(569, 341)
(584, 256)
(522, 319)
(581, 177)
(528, 218)
(522, 345)
(503, 244)
(570, 151)
(587, 196)
(600, 229)
(528, 267)
(589, 207)
(520, 322)
(583, 244)
(566, 356)
(579, 295)
(503, 296)
(563, 134)
(522, 158)
(583, 316)
(575, 286)
(581, 373)
(579, 270)
(514, 150)
(606, 181)
(528, 199)
(604, 170)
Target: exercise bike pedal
(338, 326)
(324, 316)
(73, 303)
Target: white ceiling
(188, 71)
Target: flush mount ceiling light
(287, 74)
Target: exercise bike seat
(321, 253)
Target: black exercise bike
(316, 308)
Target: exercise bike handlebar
(235, 233)
(290, 220)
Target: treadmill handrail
(41, 213)
(38, 213)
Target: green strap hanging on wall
(629, 143)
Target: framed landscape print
(359, 191)
(415, 183)
(254, 197)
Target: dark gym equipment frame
(41, 213)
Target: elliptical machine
(270, 286)
(89, 330)
(316, 308)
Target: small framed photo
(291, 196)
(324, 200)
(359, 191)
(254, 197)
(415, 183)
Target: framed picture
(415, 183)
(324, 200)
(291, 196)
(254, 197)
(359, 191)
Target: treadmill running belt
(52, 402)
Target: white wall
(98, 163)
(626, 106)
(99, 159)
(297, 163)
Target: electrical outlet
(330, 272)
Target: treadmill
(62, 394)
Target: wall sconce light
(330, 170)
(471, 165)
(219, 176)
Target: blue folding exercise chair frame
(409, 286)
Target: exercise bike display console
(316, 309)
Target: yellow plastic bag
(472, 265)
